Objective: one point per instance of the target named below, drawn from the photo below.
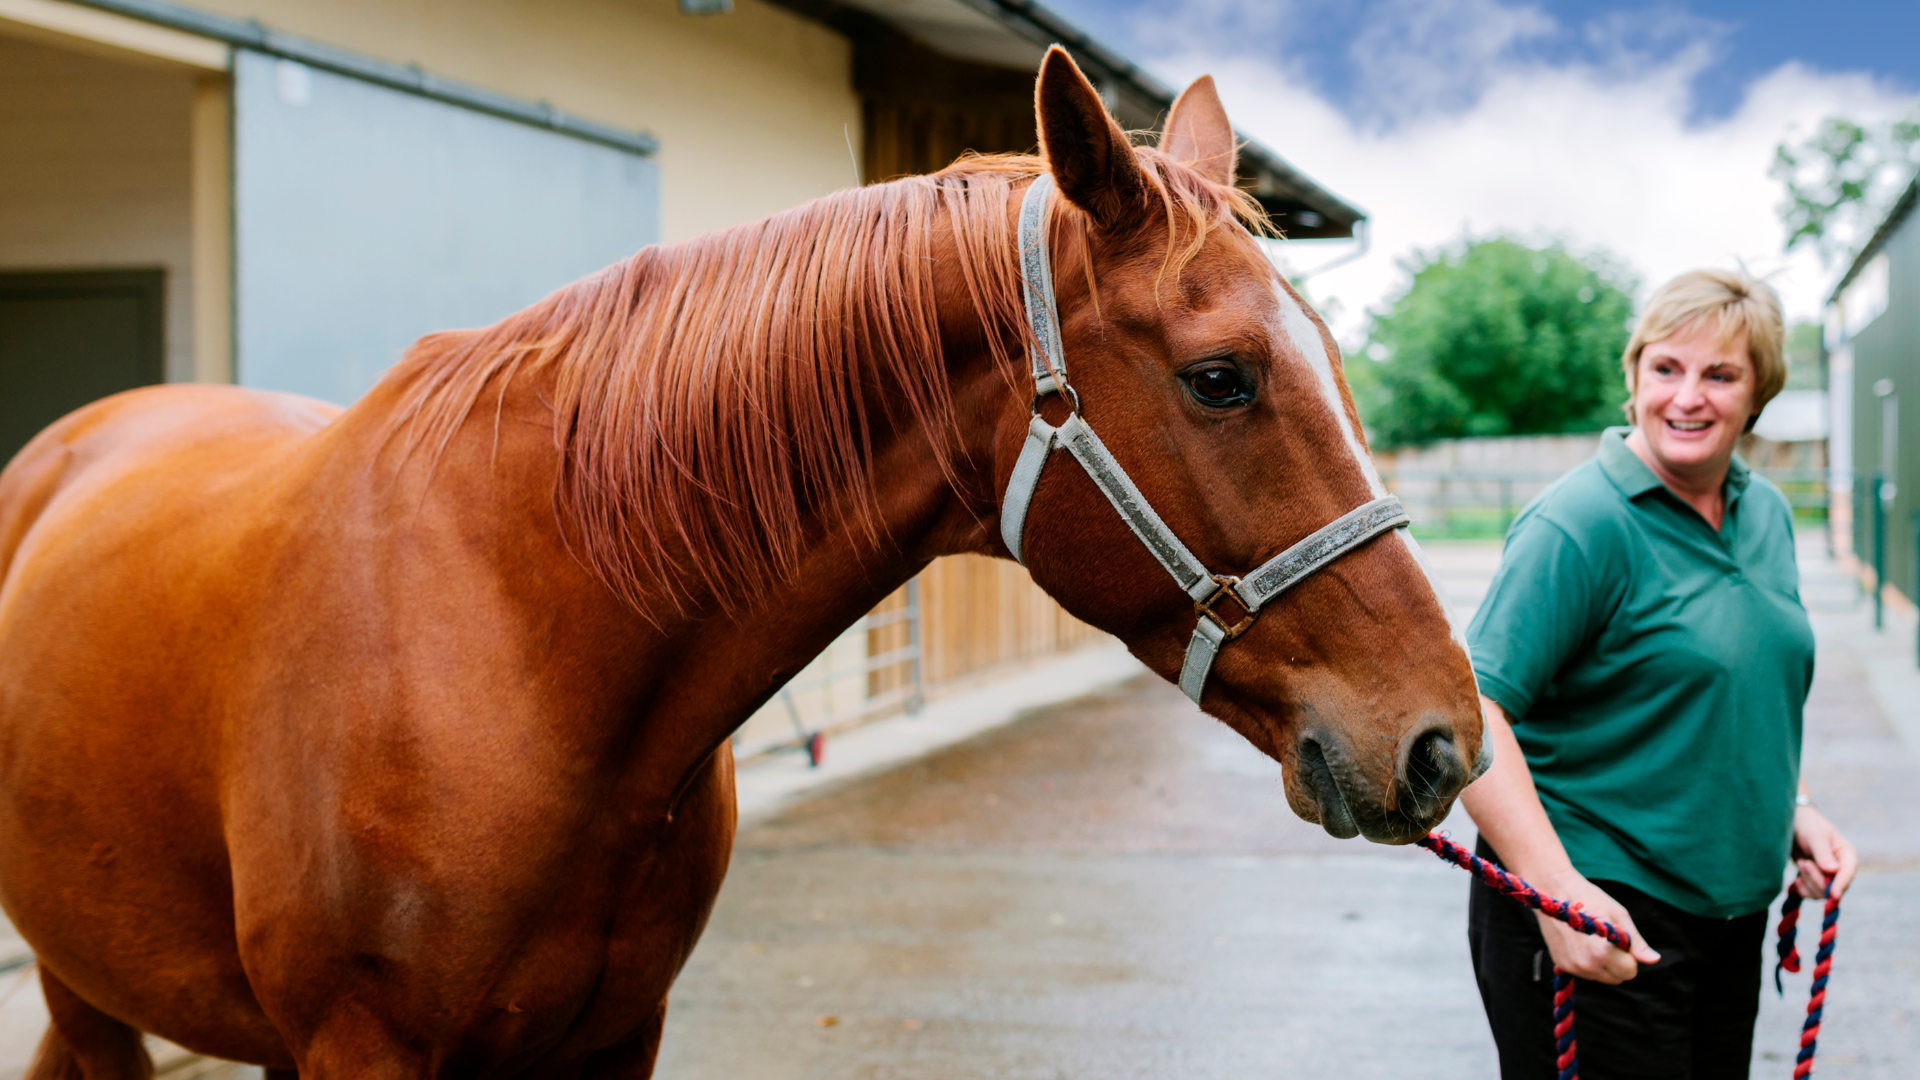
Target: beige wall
(96, 172)
(753, 109)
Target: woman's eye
(1220, 386)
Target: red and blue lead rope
(1822, 965)
(1566, 1049)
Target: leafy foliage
(1841, 180)
(1496, 338)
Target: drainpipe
(1362, 233)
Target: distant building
(1872, 338)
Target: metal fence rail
(1482, 503)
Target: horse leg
(83, 1043)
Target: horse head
(1220, 408)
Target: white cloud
(1418, 57)
(1598, 155)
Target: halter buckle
(1204, 608)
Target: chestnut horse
(393, 741)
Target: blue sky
(1348, 49)
(1643, 132)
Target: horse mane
(711, 397)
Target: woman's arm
(1506, 809)
(1819, 850)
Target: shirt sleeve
(1538, 612)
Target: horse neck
(689, 669)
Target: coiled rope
(1566, 1048)
(1822, 964)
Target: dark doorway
(74, 337)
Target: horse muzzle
(1328, 785)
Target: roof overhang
(1015, 35)
(1889, 225)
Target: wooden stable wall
(980, 613)
(976, 615)
(921, 110)
(976, 618)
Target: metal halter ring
(1073, 396)
(1204, 608)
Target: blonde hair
(1739, 305)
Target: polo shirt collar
(1634, 479)
(1623, 466)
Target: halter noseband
(1206, 589)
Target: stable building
(1872, 340)
(284, 194)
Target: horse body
(381, 742)
(463, 772)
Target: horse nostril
(1432, 775)
(1335, 815)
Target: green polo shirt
(1655, 671)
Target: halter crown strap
(1049, 364)
(1036, 271)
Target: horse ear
(1198, 133)
(1089, 155)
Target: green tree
(1841, 180)
(1496, 338)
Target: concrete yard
(1115, 888)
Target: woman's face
(1692, 398)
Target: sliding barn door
(365, 216)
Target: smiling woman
(1643, 661)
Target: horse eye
(1219, 387)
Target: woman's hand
(1507, 810)
(1586, 956)
(1819, 850)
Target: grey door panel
(366, 216)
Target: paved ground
(1111, 889)
(1115, 888)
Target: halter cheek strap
(1205, 588)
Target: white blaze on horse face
(1439, 592)
(1305, 336)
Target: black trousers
(1689, 1017)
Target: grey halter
(1272, 578)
